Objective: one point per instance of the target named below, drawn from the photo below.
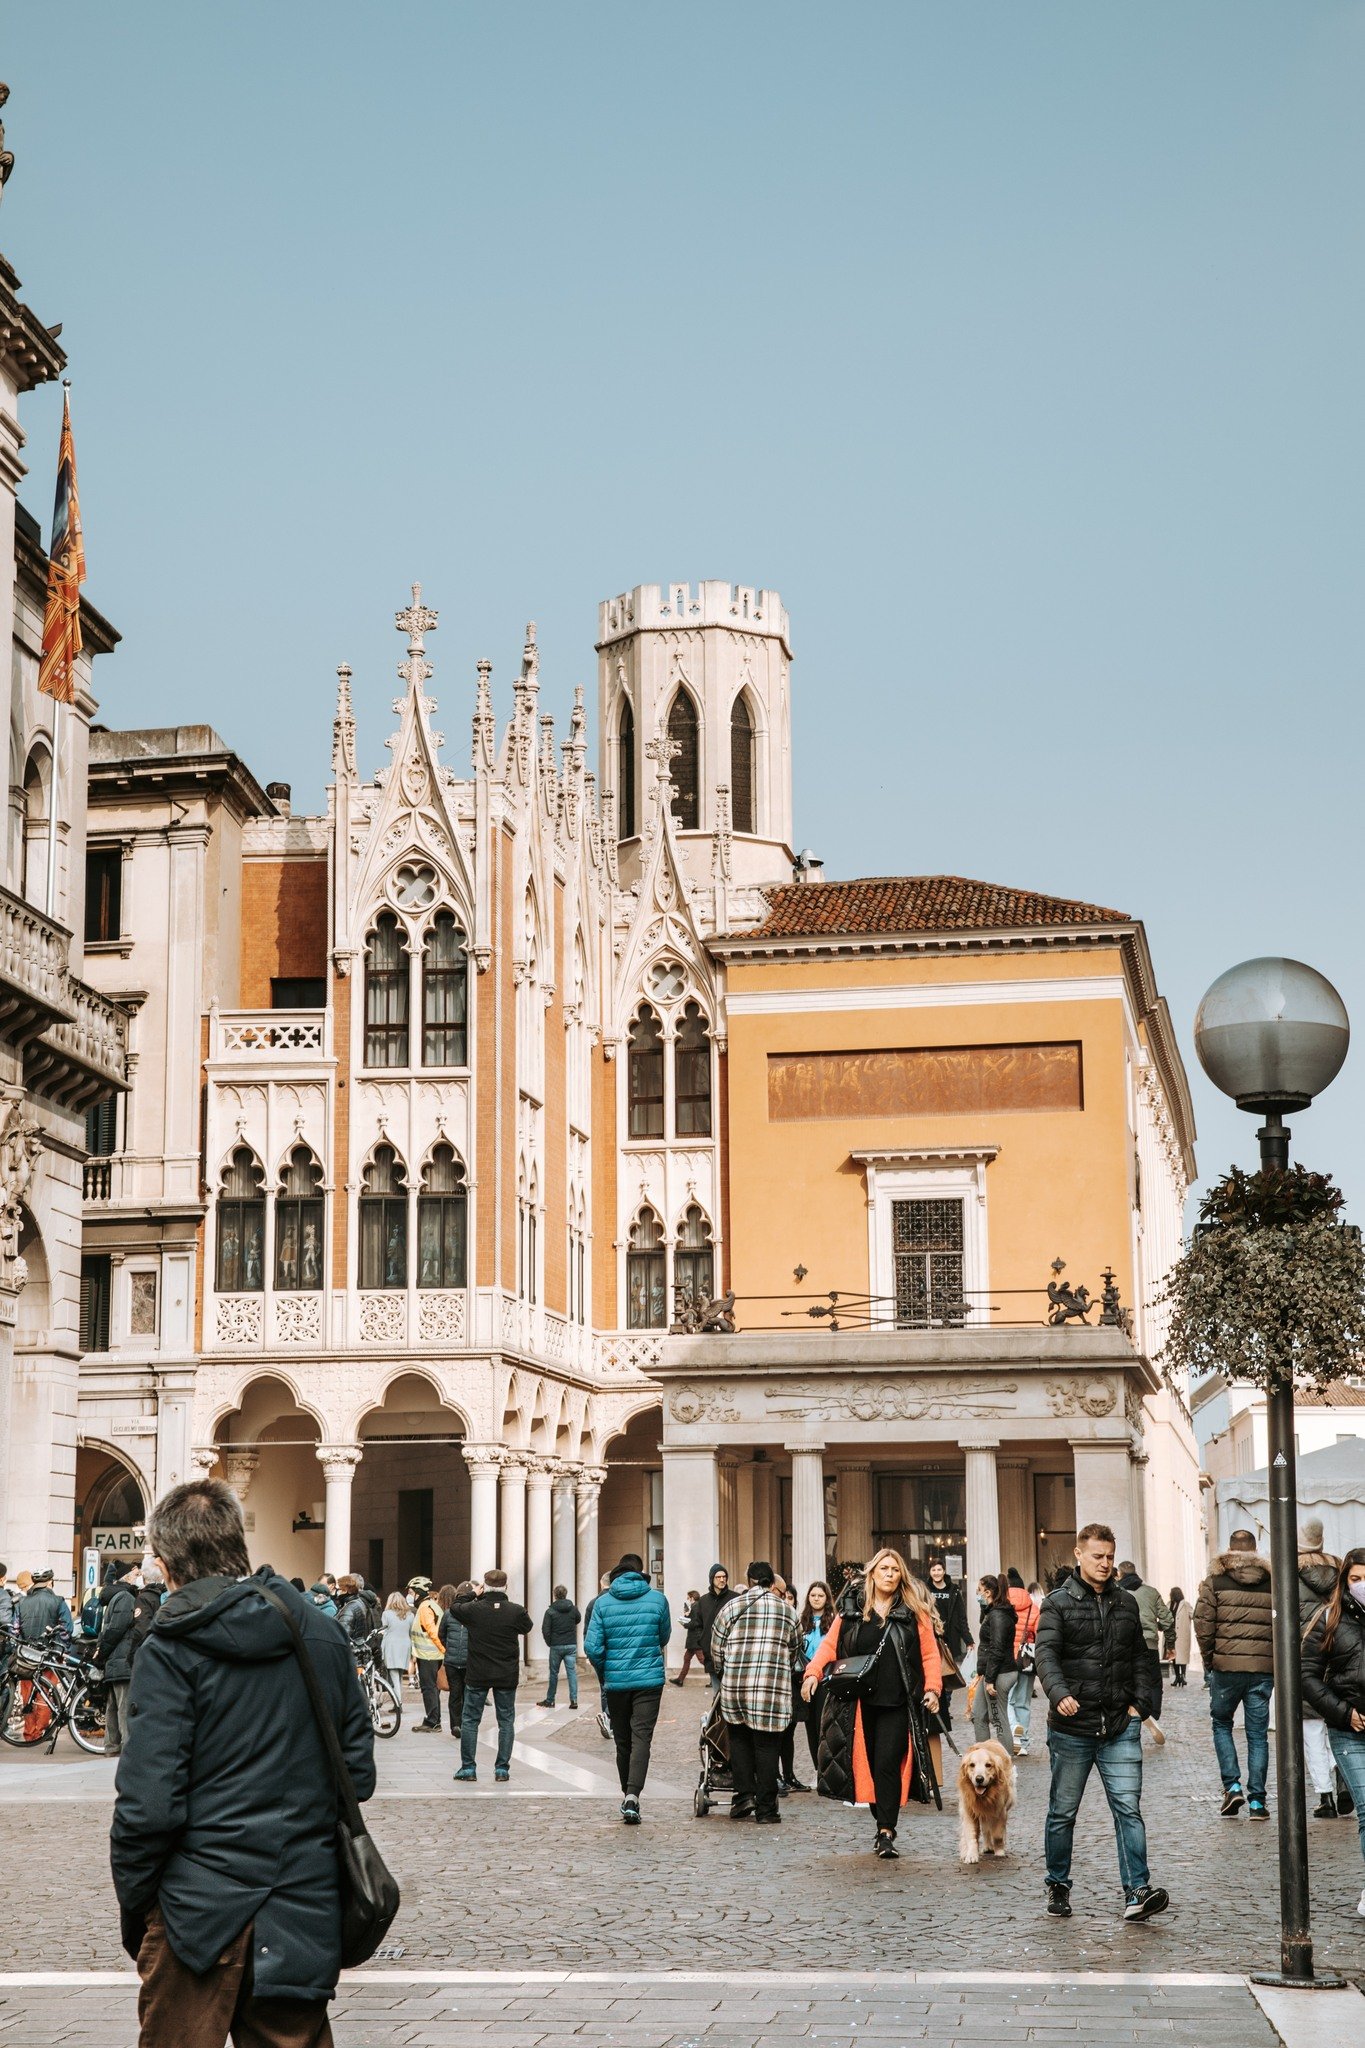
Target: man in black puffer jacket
(1101, 1680)
(223, 1844)
(114, 1652)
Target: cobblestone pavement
(540, 1876)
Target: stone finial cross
(661, 750)
(416, 619)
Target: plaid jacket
(755, 1645)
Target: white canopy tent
(1331, 1488)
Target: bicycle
(46, 1687)
(381, 1696)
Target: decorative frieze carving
(1095, 1398)
(238, 1320)
(703, 1404)
(441, 1317)
(383, 1318)
(874, 1400)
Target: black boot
(1326, 1808)
(1345, 1803)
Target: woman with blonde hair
(883, 1661)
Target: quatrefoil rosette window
(666, 981)
(414, 886)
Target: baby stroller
(716, 1779)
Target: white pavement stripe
(793, 1979)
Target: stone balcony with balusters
(72, 1041)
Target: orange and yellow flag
(65, 575)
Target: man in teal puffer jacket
(627, 1631)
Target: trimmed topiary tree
(1271, 1285)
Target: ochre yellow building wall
(1061, 1184)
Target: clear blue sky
(1020, 348)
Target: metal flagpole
(54, 780)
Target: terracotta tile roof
(915, 903)
(1341, 1395)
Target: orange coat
(827, 1654)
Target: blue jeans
(1021, 1705)
(1119, 1763)
(1349, 1750)
(1249, 1690)
(567, 1655)
(504, 1706)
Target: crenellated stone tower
(708, 666)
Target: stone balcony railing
(74, 1041)
(268, 1035)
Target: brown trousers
(177, 2009)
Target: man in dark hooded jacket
(718, 1592)
(113, 1653)
(223, 1843)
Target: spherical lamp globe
(1272, 1034)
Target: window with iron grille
(445, 995)
(384, 1222)
(685, 768)
(692, 1076)
(95, 1290)
(646, 1283)
(742, 766)
(103, 894)
(386, 996)
(927, 1250)
(441, 1214)
(241, 1226)
(625, 774)
(645, 1077)
(298, 1225)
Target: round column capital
(338, 1461)
(483, 1460)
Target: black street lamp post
(1272, 1034)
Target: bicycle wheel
(386, 1708)
(85, 1717)
(24, 1724)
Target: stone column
(484, 1462)
(338, 1463)
(983, 1516)
(727, 1475)
(539, 1479)
(513, 1504)
(854, 1540)
(1018, 1530)
(587, 1491)
(1103, 1490)
(765, 1544)
(808, 1515)
(1137, 1487)
(691, 1527)
(563, 1571)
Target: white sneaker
(1157, 1732)
(1361, 1907)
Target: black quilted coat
(1091, 1647)
(1334, 1680)
(839, 1717)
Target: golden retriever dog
(985, 1794)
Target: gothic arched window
(693, 1261)
(442, 1210)
(645, 1077)
(386, 995)
(646, 1284)
(445, 995)
(742, 766)
(241, 1226)
(298, 1224)
(625, 774)
(384, 1222)
(685, 767)
(692, 1076)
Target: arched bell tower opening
(706, 667)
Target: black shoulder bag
(852, 1678)
(369, 1895)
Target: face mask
(1357, 1590)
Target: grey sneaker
(630, 1811)
(1151, 1899)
